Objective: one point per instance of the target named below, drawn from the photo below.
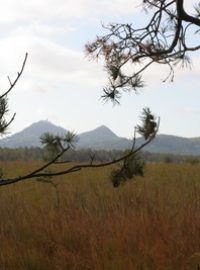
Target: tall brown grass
(149, 223)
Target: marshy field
(81, 222)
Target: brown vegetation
(85, 223)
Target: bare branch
(162, 41)
(16, 79)
(4, 101)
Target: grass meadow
(85, 224)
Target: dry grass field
(85, 224)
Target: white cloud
(13, 11)
(44, 30)
(49, 63)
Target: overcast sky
(61, 85)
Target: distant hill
(102, 138)
(174, 145)
(30, 136)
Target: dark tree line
(85, 155)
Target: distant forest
(38, 154)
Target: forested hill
(101, 138)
